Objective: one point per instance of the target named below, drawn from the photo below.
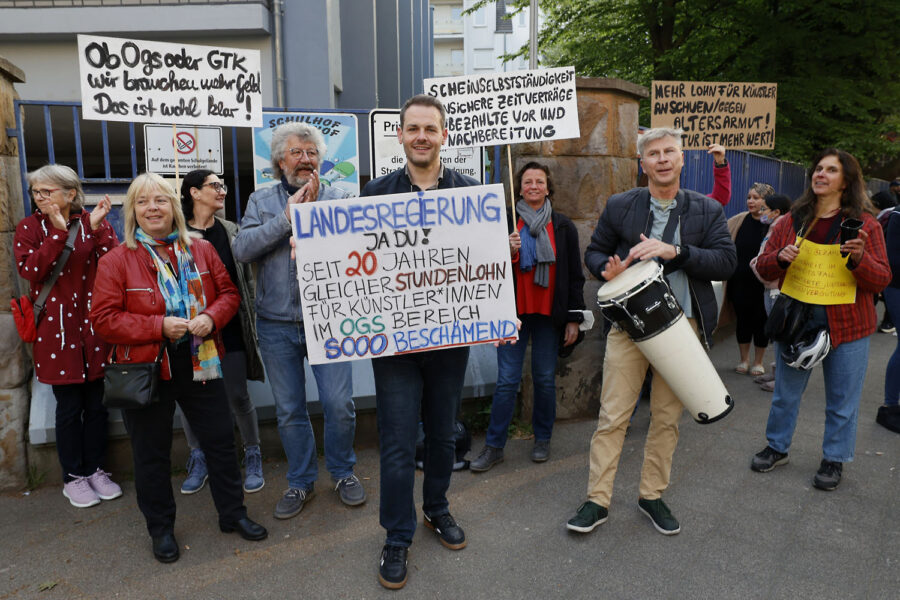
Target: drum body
(640, 302)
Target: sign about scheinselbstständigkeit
(508, 108)
(387, 275)
(156, 82)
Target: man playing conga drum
(687, 233)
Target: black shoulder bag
(131, 385)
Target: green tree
(835, 61)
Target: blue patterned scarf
(184, 298)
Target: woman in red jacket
(162, 287)
(836, 193)
(68, 355)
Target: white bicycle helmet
(807, 353)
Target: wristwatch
(677, 250)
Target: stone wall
(15, 366)
(586, 171)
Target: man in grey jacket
(687, 233)
(296, 149)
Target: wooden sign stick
(512, 191)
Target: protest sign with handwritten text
(736, 115)
(386, 153)
(156, 82)
(386, 275)
(508, 108)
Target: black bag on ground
(131, 385)
(463, 445)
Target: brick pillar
(586, 171)
(15, 364)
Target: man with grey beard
(296, 150)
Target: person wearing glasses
(202, 195)
(68, 354)
(296, 149)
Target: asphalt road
(744, 534)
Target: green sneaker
(661, 516)
(589, 516)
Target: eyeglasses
(310, 154)
(219, 187)
(42, 194)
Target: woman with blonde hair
(164, 292)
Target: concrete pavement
(744, 534)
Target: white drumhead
(629, 279)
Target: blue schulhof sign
(340, 165)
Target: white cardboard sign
(157, 82)
(197, 147)
(387, 275)
(508, 108)
(388, 155)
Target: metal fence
(746, 169)
(65, 136)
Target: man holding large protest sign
(424, 385)
(687, 232)
(265, 230)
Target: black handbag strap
(159, 355)
(54, 275)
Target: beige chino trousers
(624, 368)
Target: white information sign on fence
(508, 108)
(387, 152)
(197, 148)
(157, 82)
(386, 275)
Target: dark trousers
(205, 406)
(410, 387)
(746, 296)
(80, 428)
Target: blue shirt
(678, 281)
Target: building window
(483, 59)
(478, 19)
(456, 13)
(456, 57)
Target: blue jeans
(424, 386)
(282, 345)
(892, 375)
(510, 358)
(845, 371)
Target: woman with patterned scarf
(164, 289)
(549, 289)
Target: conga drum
(640, 302)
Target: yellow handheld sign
(819, 275)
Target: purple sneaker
(106, 488)
(80, 493)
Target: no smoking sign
(186, 143)
(196, 148)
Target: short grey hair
(651, 135)
(280, 136)
(62, 176)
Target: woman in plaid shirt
(836, 192)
